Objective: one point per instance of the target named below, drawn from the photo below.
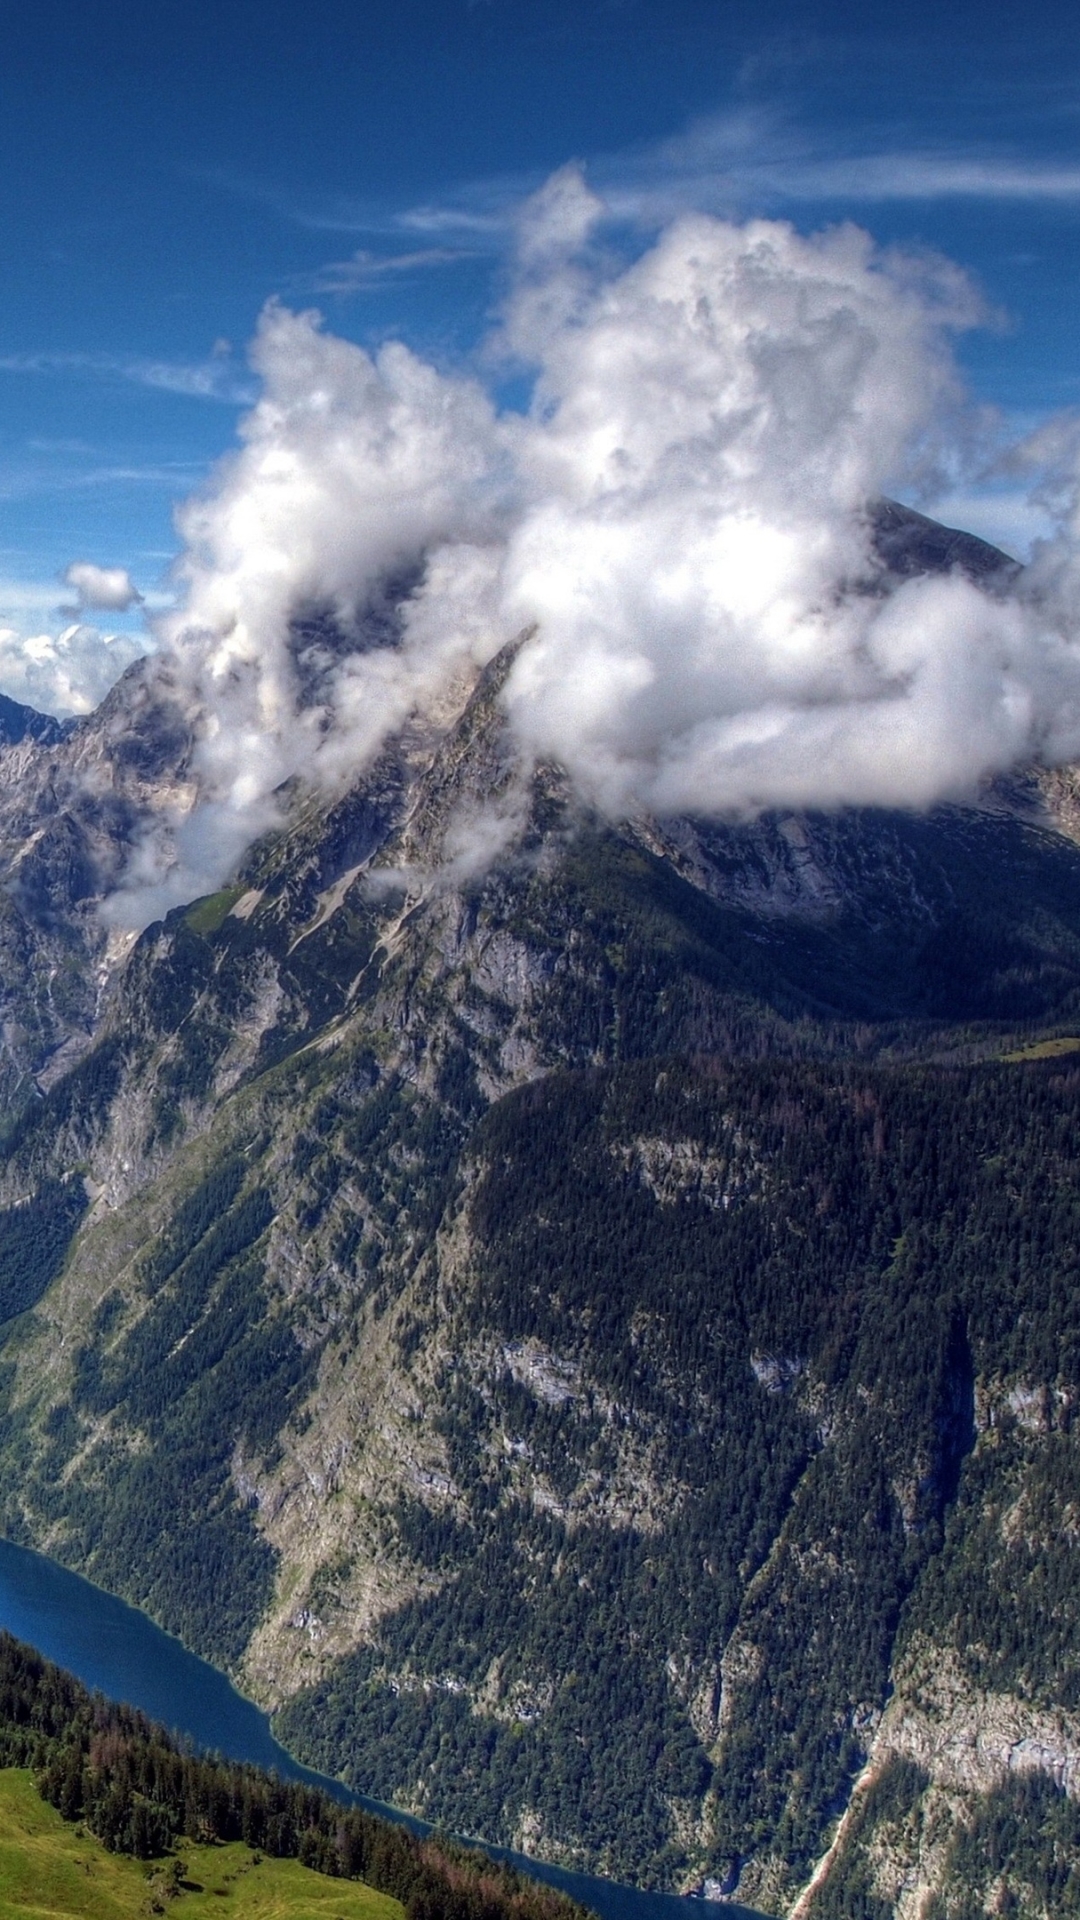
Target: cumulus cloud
(69, 671)
(108, 589)
(683, 514)
(65, 673)
(355, 473)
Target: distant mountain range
(593, 1339)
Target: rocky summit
(580, 1318)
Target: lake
(118, 1650)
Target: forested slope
(132, 1786)
(592, 1340)
(764, 1360)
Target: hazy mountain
(590, 1332)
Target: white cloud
(750, 157)
(21, 597)
(353, 469)
(365, 269)
(211, 379)
(108, 589)
(65, 673)
(927, 176)
(755, 154)
(711, 425)
(682, 515)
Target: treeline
(139, 1792)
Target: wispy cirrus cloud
(756, 157)
(749, 157)
(20, 479)
(215, 378)
(738, 162)
(21, 597)
(929, 176)
(481, 211)
(365, 269)
(492, 221)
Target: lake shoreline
(117, 1650)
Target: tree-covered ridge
(794, 1300)
(1015, 1851)
(138, 1791)
(209, 1355)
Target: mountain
(75, 800)
(580, 1318)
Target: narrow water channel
(118, 1650)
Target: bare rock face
(18, 722)
(966, 1738)
(908, 544)
(74, 800)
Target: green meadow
(48, 1867)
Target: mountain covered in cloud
(575, 1311)
(681, 517)
(536, 1032)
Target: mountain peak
(18, 723)
(909, 543)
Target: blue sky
(167, 168)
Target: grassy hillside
(48, 1867)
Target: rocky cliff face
(580, 1319)
(75, 801)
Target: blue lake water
(118, 1650)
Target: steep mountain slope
(587, 1330)
(75, 800)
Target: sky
(168, 169)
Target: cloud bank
(682, 514)
(65, 665)
(64, 673)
